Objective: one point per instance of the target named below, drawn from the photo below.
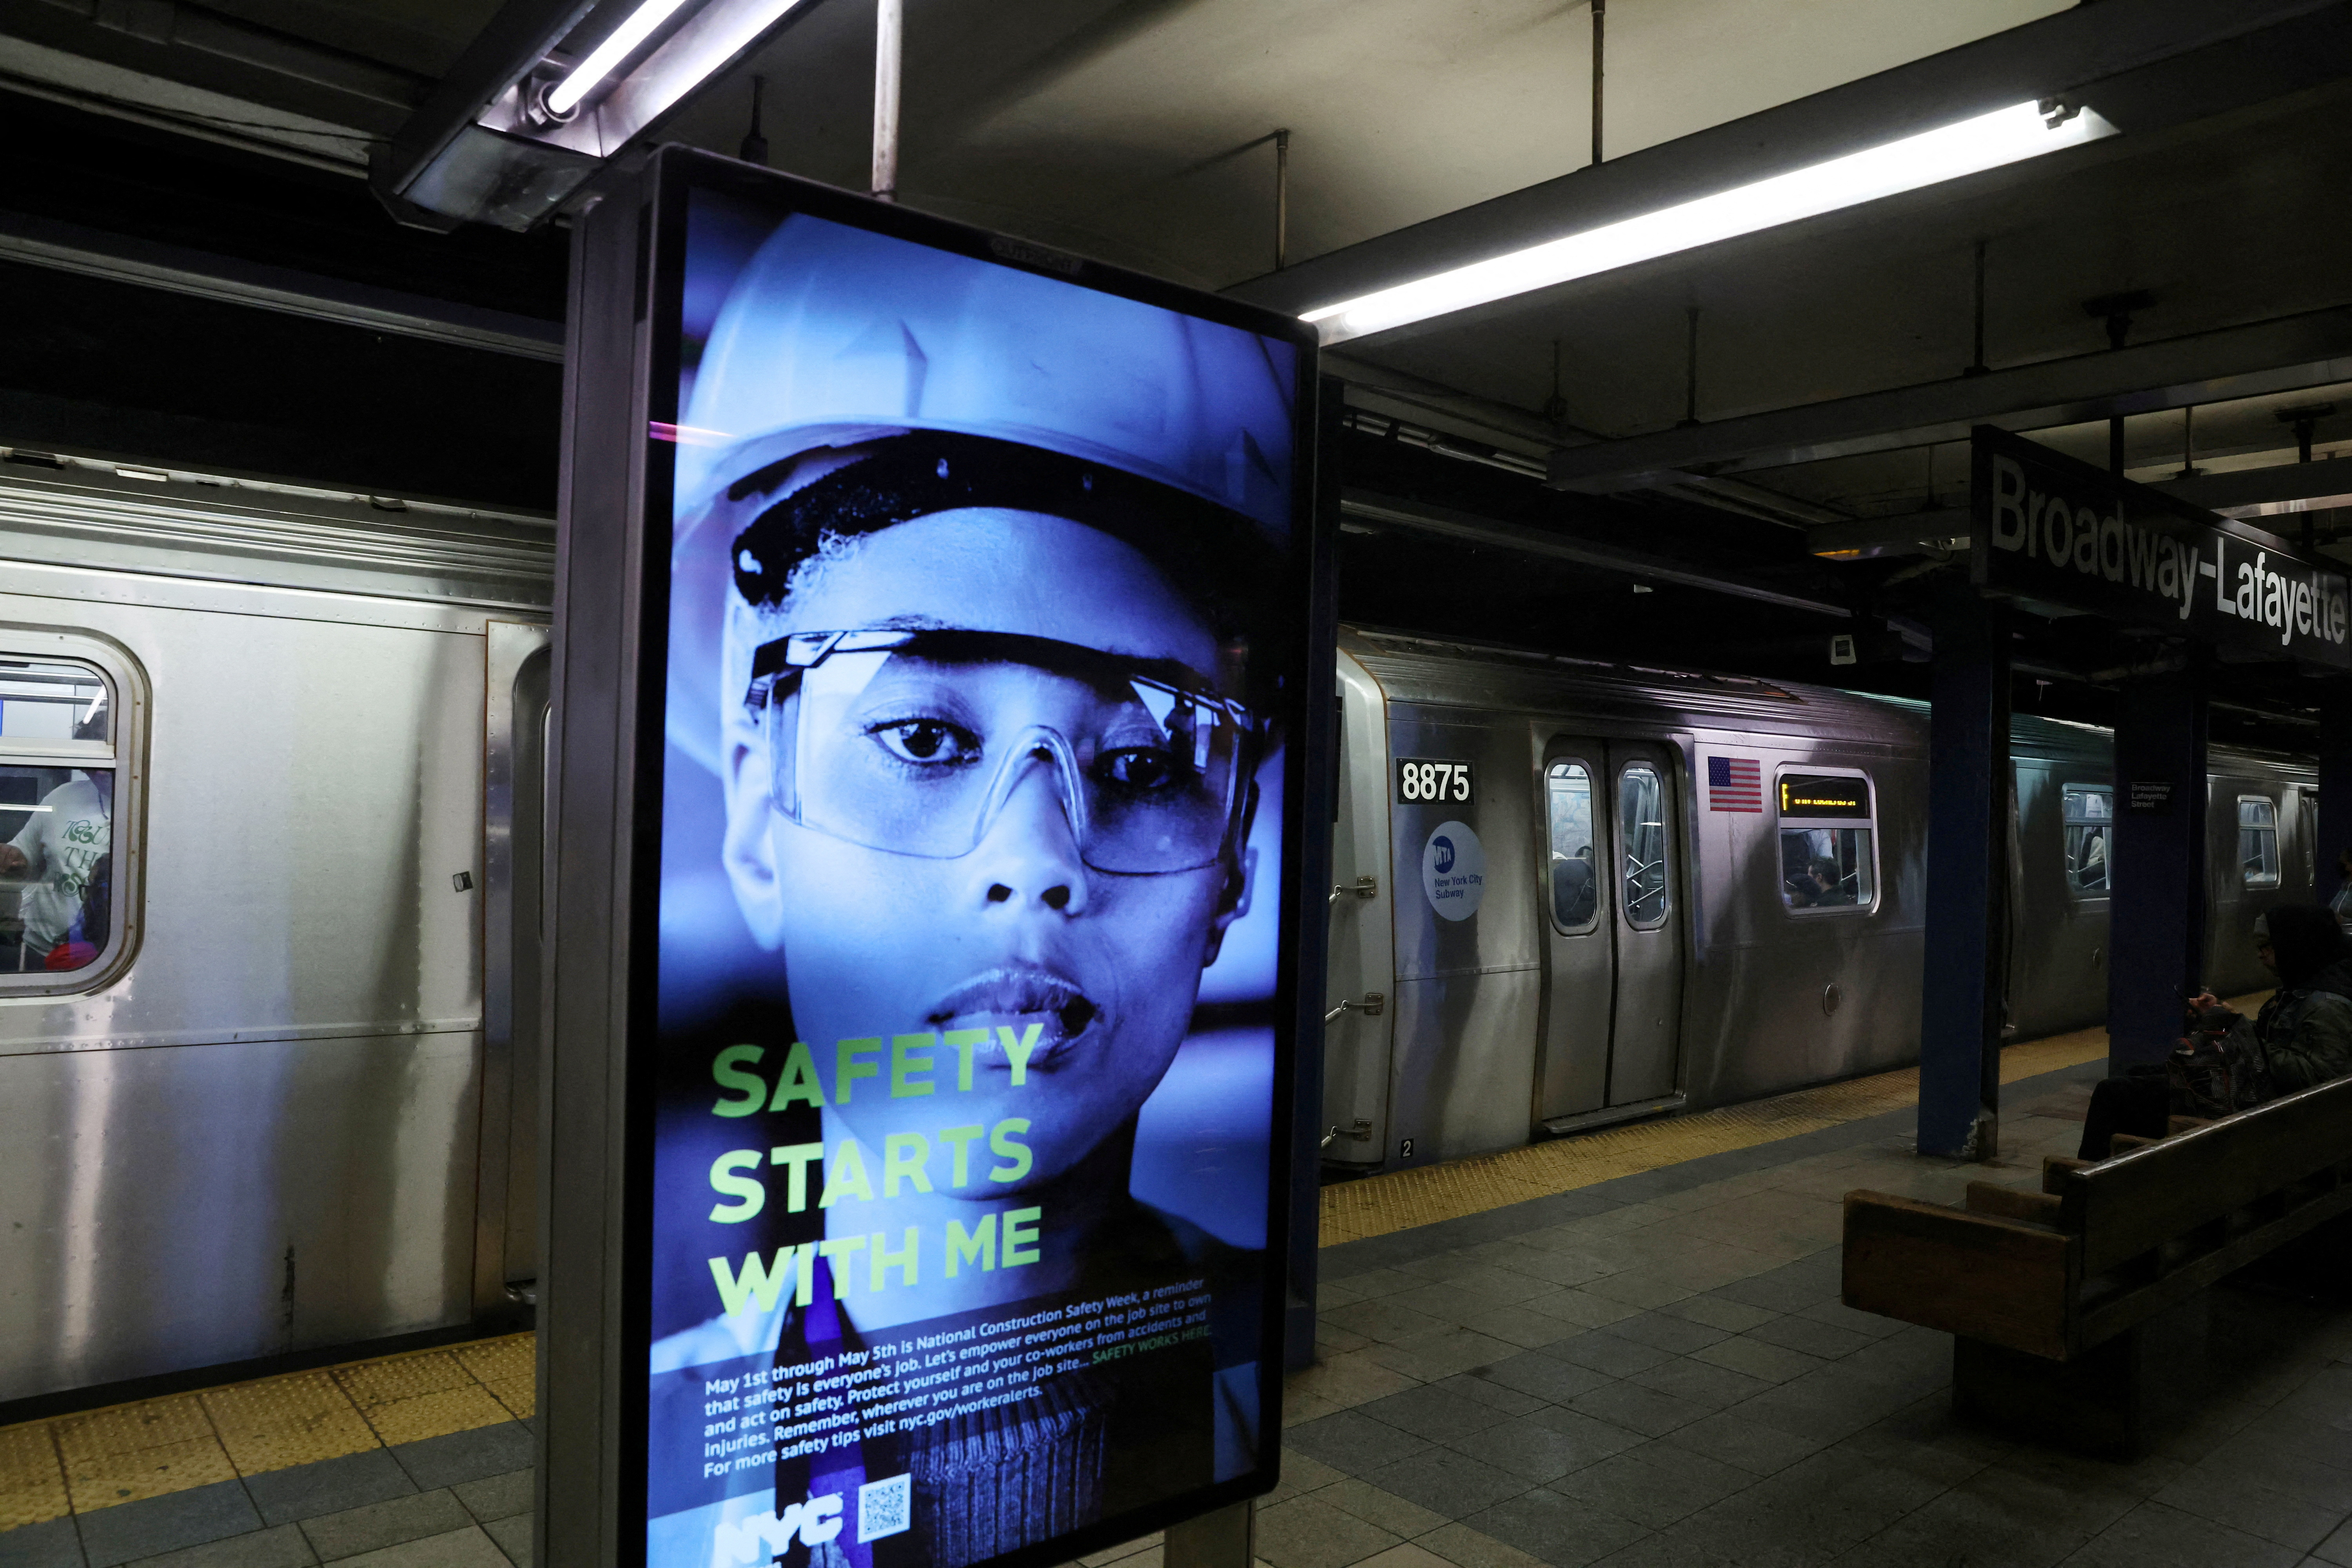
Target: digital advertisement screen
(967, 1126)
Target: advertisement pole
(591, 805)
(941, 784)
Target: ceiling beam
(1416, 517)
(181, 42)
(69, 248)
(2327, 477)
(2279, 355)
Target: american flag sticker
(1734, 783)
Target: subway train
(265, 994)
(1570, 893)
(268, 962)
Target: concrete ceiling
(1140, 132)
(1138, 129)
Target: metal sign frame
(2051, 529)
(606, 820)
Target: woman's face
(1019, 934)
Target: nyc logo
(764, 1537)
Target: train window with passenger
(1828, 842)
(2090, 813)
(1575, 867)
(58, 735)
(1641, 835)
(2258, 845)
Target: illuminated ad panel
(987, 589)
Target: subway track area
(1625, 1348)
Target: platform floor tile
(1403, 1200)
(291, 1446)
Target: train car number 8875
(1423, 781)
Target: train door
(1579, 932)
(514, 772)
(1647, 1026)
(1360, 970)
(1613, 949)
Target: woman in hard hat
(979, 583)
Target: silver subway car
(1568, 893)
(270, 768)
(268, 789)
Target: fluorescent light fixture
(515, 154)
(635, 29)
(1989, 141)
(700, 47)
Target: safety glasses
(914, 741)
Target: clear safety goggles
(913, 742)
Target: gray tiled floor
(1678, 1383)
(366, 1511)
(1655, 1372)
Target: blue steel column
(1968, 795)
(2335, 782)
(2156, 941)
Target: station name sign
(2058, 531)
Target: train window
(56, 817)
(1575, 864)
(1641, 834)
(2258, 846)
(2090, 813)
(1828, 858)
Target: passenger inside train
(1573, 889)
(55, 867)
(2301, 1037)
(1818, 883)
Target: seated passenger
(2306, 1028)
(2341, 904)
(2093, 876)
(1574, 894)
(1820, 887)
(2301, 1037)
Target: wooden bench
(2047, 1292)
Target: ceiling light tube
(2004, 136)
(619, 45)
(700, 47)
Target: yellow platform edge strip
(150, 1448)
(99, 1458)
(1401, 1200)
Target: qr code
(884, 1508)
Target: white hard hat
(835, 337)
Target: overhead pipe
(889, 25)
(754, 148)
(1976, 366)
(1600, 10)
(1690, 375)
(1281, 199)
